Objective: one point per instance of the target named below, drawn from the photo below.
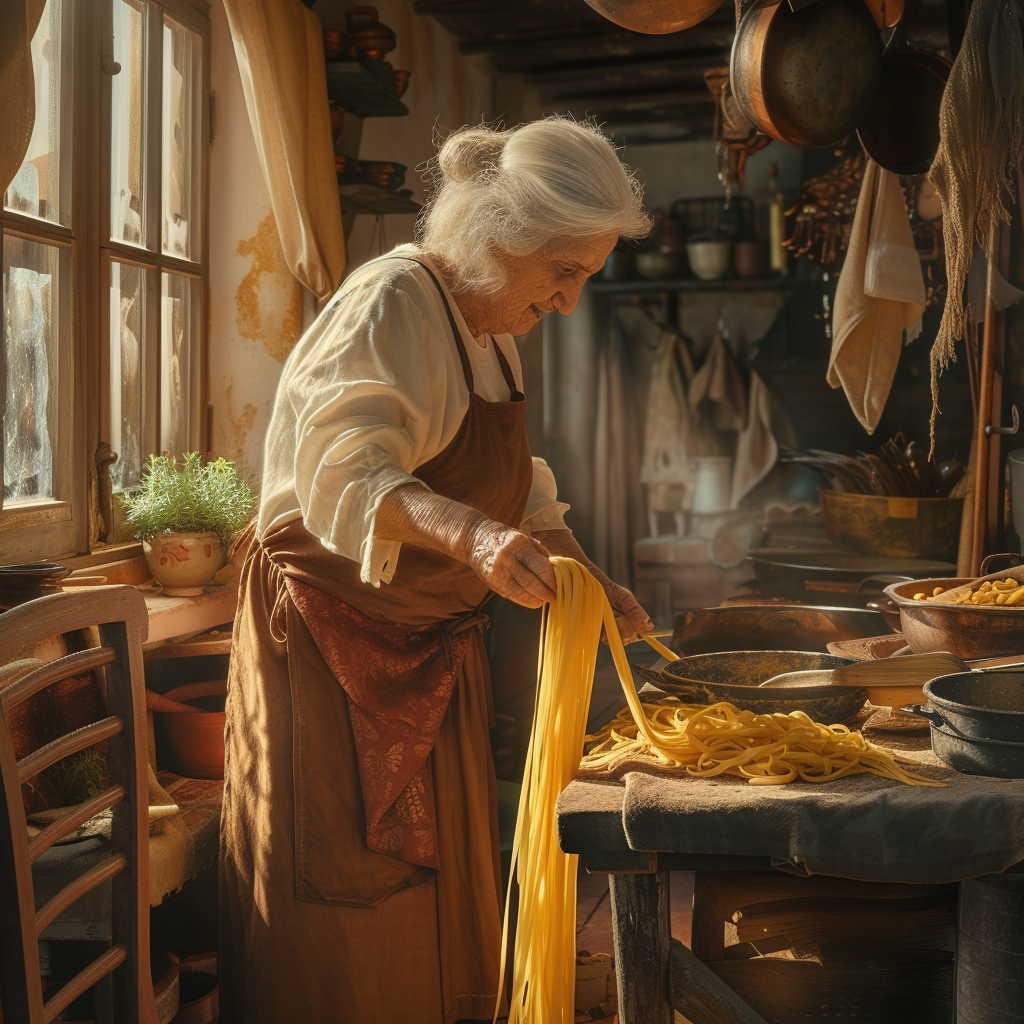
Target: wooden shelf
(364, 88)
(356, 199)
(684, 284)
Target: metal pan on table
(757, 627)
(735, 677)
(977, 721)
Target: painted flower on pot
(185, 514)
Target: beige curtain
(279, 48)
(18, 21)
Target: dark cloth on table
(862, 827)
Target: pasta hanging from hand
(702, 741)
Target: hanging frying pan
(655, 17)
(806, 78)
(900, 129)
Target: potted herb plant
(185, 514)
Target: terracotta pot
(370, 39)
(192, 741)
(332, 45)
(750, 258)
(183, 563)
(401, 81)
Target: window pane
(182, 120)
(32, 332)
(179, 337)
(127, 372)
(127, 127)
(40, 189)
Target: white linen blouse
(373, 390)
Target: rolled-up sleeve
(364, 413)
(543, 509)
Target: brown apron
(359, 848)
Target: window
(89, 387)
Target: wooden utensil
(912, 670)
(950, 596)
(889, 681)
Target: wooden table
(905, 968)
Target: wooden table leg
(640, 920)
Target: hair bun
(471, 151)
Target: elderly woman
(359, 872)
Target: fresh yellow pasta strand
(702, 741)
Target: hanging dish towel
(665, 469)
(718, 397)
(756, 447)
(880, 294)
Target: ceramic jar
(183, 563)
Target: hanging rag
(717, 399)
(981, 145)
(618, 502)
(880, 295)
(665, 471)
(756, 447)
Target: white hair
(511, 192)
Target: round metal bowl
(747, 668)
(966, 630)
(735, 677)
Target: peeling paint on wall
(238, 425)
(268, 299)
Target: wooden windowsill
(180, 616)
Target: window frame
(69, 524)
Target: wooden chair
(121, 618)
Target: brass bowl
(872, 524)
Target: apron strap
(515, 395)
(467, 369)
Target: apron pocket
(333, 864)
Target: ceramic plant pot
(183, 563)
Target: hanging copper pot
(655, 17)
(369, 38)
(900, 129)
(806, 78)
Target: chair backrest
(121, 618)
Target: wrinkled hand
(631, 619)
(512, 565)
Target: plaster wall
(256, 310)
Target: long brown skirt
(315, 927)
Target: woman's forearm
(508, 561)
(416, 515)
